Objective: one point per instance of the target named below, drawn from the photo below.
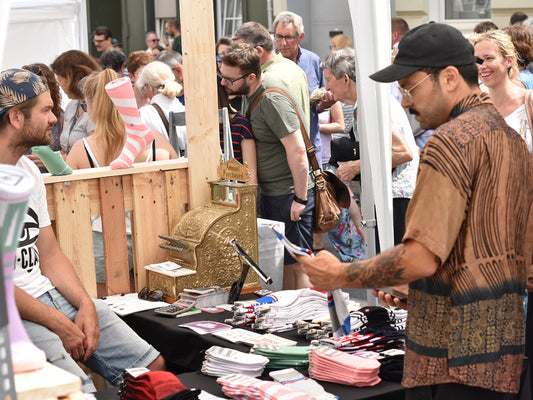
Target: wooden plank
(199, 67)
(148, 195)
(138, 168)
(49, 382)
(74, 230)
(114, 236)
(177, 190)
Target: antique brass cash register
(200, 242)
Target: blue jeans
(119, 347)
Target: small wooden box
(167, 281)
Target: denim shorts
(278, 208)
(119, 347)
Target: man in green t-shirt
(173, 28)
(287, 193)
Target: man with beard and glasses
(58, 314)
(469, 230)
(283, 172)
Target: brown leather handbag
(330, 192)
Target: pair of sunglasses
(150, 295)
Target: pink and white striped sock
(139, 136)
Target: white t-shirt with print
(27, 275)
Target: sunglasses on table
(150, 295)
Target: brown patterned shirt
(472, 207)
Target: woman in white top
(497, 73)
(157, 82)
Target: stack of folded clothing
(371, 340)
(220, 361)
(330, 365)
(156, 385)
(391, 365)
(284, 356)
(377, 317)
(242, 387)
(278, 312)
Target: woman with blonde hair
(157, 83)
(103, 146)
(498, 73)
(340, 41)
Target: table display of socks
(284, 356)
(295, 380)
(243, 387)
(378, 317)
(278, 311)
(220, 361)
(330, 365)
(372, 340)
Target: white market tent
(371, 26)
(39, 30)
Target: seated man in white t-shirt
(58, 314)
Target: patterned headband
(18, 86)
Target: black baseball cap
(428, 45)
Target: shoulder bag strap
(163, 117)
(310, 149)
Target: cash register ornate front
(200, 240)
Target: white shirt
(519, 122)
(27, 275)
(153, 121)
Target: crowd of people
(462, 182)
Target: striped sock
(139, 136)
(15, 189)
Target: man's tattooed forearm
(383, 270)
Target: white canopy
(40, 30)
(372, 31)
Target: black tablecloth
(184, 349)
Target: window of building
(229, 16)
(467, 9)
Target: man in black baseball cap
(429, 45)
(468, 230)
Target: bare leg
(318, 243)
(159, 364)
(355, 213)
(294, 277)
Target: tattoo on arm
(385, 269)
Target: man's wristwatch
(298, 200)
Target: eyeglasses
(288, 38)
(407, 93)
(218, 58)
(150, 295)
(154, 40)
(99, 41)
(231, 81)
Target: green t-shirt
(291, 75)
(176, 44)
(273, 118)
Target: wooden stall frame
(156, 194)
